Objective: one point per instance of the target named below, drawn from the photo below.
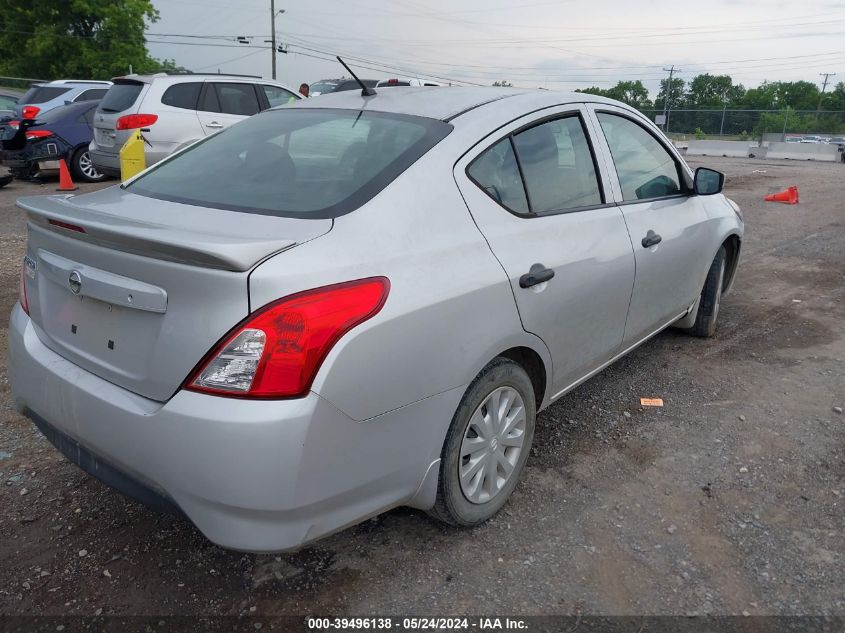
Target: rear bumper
(105, 162)
(251, 475)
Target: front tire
(711, 296)
(83, 168)
(487, 445)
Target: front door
(224, 103)
(666, 222)
(535, 192)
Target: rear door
(668, 225)
(224, 103)
(536, 192)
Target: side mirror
(708, 182)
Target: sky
(560, 45)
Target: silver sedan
(354, 303)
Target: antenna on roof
(365, 91)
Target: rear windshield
(120, 97)
(313, 163)
(41, 94)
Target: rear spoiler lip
(195, 248)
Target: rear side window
(497, 173)
(237, 99)
(42, 94)
(312, 163)
(182, 95)
(557, 165)
(121, 97)
(277, 96)
(644, 167)
(93, 94)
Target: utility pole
(273, 34)
(824, 87)
(666, 106)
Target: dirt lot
(728, 500)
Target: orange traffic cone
(65, 181)
(789, 196)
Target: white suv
(173, 111)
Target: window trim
(685, 193)
(541, 121)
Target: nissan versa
(357, 302)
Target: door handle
(536, 275)
(214, 124)
(651, 239)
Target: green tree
(798, 95)
(634, 93)
(713, 91)
(82, 39)
(675, 91)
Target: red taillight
(277, 351)
(30, 112)
(31, 135)
(22, 294)
(14, 123)
(135, 121)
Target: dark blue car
(33, 148)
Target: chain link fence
(728, 123)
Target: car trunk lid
(123, 98)
(137, 290)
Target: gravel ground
(728, 500)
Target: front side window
(237, 99)
(277, 96)
(308, 163)
(497, 173)
(558, 166)
(645, 168)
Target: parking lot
(727, 500)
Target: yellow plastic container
(132, 160)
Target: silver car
(173, 111)
(354, 303)
(43, 97)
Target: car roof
(445, 102)
(76, 82)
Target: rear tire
(711, 296)
(82, 167)
(486, 446)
